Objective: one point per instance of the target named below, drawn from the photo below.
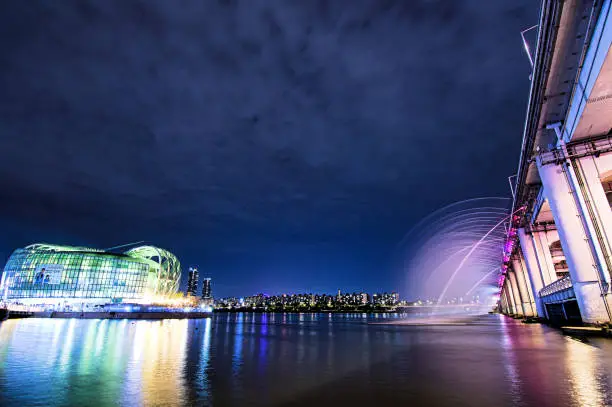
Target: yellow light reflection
(582, 363)
(163, 349)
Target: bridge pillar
(532, 303)
(509, 296)
(516, 293)
(600, 213)
(567, 207)
(533, 270)
(541, 246)
(524, 286)
(504, 303)
(517, 308)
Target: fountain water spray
(474, 247)
(455, 252)
(481, 280)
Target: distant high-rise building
(192, 282)
(365, 298)
(206, 289)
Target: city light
(311, 302)
(51, 280)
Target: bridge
(557, 259)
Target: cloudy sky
(279, 145)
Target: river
(298, 360)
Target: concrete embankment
(584, 331)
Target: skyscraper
(207, 290)
(192, 282)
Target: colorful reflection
(117, 362)
(309, 359)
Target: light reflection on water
(512, 375)
(589, 381)
(307, 359)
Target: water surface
(298, 360)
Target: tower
(192, 282)
(207, 290)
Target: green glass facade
(47, 271)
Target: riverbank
(348, 310)
(305, 311)
(587, 331)
(7, 314)
(579, 330)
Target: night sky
(278, 145)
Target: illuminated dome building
(41, 272)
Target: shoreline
(398, 310)
(7, 314)
(251, 311)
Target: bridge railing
(559, 290)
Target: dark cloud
(294, 141)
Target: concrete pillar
(516, 293)
(505, 305)
(601, 215)
(522, 280)
(507, 295)
(575, 240)
(533, 270)
(513, 299)
(584, 203)
(528, 283)
(509, 302)
(541, 246)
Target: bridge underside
(561, 265)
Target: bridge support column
(516, 293)
(532, 303)
(541, 246)
(509, 296)
(578, 245)
(598, 208)
(533, 270)
(523, 283)
(517, 308)
(504, 303)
